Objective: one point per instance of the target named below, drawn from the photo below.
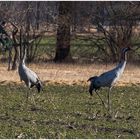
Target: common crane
(108, 79)
(28, 76)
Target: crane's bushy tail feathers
(92, 78)
(90, 91)
(31, 85)
(39, 86)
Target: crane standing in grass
(28, 76)
(108, 79)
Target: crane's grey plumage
(108, 79)
(28, 76)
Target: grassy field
(71, 74)
(64, 111)
(81, 47)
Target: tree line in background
(109, 25)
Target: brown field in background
(71, 73)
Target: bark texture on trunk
(63, 33)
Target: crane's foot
(27, 100)
(109, 117)
(34, 108)
(33, 99)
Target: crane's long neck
(123, 60)
(24, 58)
(123, 55)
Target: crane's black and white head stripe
(125, 49)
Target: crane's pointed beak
(134, 49)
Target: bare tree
(108, 25)
(117, 27)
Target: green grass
(80, 47)
(63, 111)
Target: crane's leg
(33, 99)
(27, 95)
(109, 101)
(101, 100)
(9, 59)
(28, 91)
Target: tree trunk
(14, 66)
(63, 33)
(28, 17)
(37, 14)
(15, 45)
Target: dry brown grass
(70, 74)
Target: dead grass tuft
(70, 74)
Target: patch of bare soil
(70, 74)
